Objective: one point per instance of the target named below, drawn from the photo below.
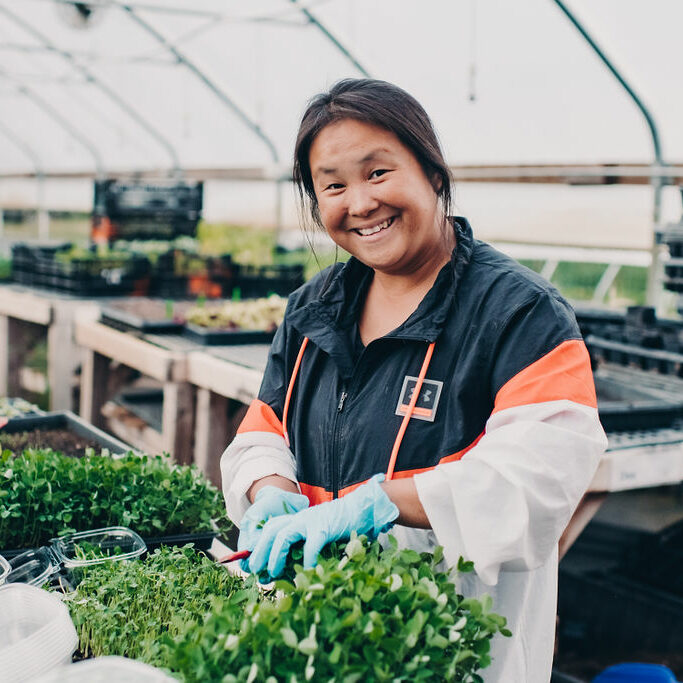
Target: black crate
(131, 209)
(97, 276)
(673, 238)
(258, 281)
(609, 611)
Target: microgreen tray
(65, 419)
(218, 337)
(126, 320)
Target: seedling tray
(666, 362)
(259, 281)
(65, 419)
(213, 337)
(147, 404)
(126, 320)
(630, 400)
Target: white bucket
(36, 633)
(106, 670)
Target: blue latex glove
(269, 502)
(367, 510)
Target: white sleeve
(505, 504)
(252, 456)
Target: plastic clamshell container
(5, 569)
(34, 567)
(37, 633)
(106, 670)
(109, 544)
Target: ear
(436, 182)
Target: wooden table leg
(61, 361)
(583, 514)
(93, 387)
(17, 338)
(177, 421)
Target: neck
(419, 280)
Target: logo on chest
(427, 401)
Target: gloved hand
(269, 502)
(367, 510)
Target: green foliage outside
(577, 281)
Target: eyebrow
(368, 157)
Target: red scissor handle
(239, 555)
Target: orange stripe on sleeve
(260, 417)
(406, 474)
(563, 373)
(316, 494)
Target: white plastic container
(37, 633)
(4, 569)
(106, 670)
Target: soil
(61, 440)
(586, 667)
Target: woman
(431, 385)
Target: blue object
(366, 510)
(269, 502)
(636, 673)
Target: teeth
(371, 231)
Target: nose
(360, 200)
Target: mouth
(366, 232)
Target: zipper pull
(342, 398)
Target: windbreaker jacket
(504, 440)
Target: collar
(326, 321)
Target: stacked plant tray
(634, 337)
(79, 272)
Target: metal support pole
(91, 78)
(43, 221)
(332, 38)
(43, 215)
(226, 99)
(654, 292)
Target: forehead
(352, 141)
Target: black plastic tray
(147, 404)
(126, 320)
(666, 362)
(210, 337)
(201, 541)
(629, 400)
(65, 419)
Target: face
(374, 198)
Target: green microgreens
(370, 616)
(44, 494)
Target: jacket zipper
(336, 442)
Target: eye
(334, 186)
(378, 173)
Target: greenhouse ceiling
(113, 86)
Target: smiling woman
(431, 385)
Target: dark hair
(378, 103)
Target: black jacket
(491, 319)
